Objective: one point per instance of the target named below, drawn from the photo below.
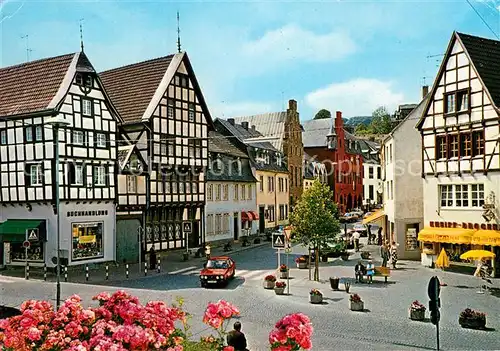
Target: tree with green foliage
(362, 129)
(323, 114)
(381, 123)
(315, 219)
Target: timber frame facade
(166, 118)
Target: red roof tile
(132, 87)
(29, 87)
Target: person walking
(369, 229)
(384, 253)
(236, 338)
(356, 237)
(380, 236)
(394, 254)
(370, 271)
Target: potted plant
(256, 240)
(269, 281)
(472, 319)
(345, 256)
(283, 271)
(279, 288)
(245, 241)
(301, 262)
(417, 311)
(355, 302)
(365, 255)
(315, 296)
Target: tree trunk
(316, 263)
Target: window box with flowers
(472, 319)
(315, 296)
(269, 281)
(279, 288)
(417, 311)
(284, 271)
(301, 262)
(355, 303)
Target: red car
(217, 271)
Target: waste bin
(152, 259)
(334, 283)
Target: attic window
(83, 79)
(79, 79)
(88, 80)
(456, 101)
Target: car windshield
(217, 264)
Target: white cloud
(236, 109)
(294, 43)
(358, 97)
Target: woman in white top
(370, 271)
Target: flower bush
(293, 332)
(355, 298)
(471, 314)
(270, 278)
(280, 285)
(283, 268)
(121, 323)
(417, 306)
(315, 292)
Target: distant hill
(356, 120)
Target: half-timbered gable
(33, 93)
(131, 180)
(165, 115)
(460, 131)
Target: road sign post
(26, 245)
(433, 290)
(139, 232)
(187, 229)
(279, 242)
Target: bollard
(145, 268)
(159, 268)
(87, 272)
(27, 270)
(45, 271)
(66, 274)
(126, 270)
(107, 272)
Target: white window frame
(29, 134)
(99, 175)
(249, 193)
(78, 137)
(101, 140)
(191, 112)
(131, 183)
(78, 175)
(86, 107)
(38, 133)
(3, 137)
(210, 224)
(210, 192)
(36, 174)
(455, 196)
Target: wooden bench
(383, 272)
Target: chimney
(231, 121)
(244, 125)
(253, 128)
(425, 91)
(292, 105)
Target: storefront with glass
(13, 232)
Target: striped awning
(377, 215)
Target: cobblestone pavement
(385, 324)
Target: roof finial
(178, 33)
(28, 50)
(81, 33)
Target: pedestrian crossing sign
(279, 240)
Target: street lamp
(56, 123)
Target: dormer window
(278, 159)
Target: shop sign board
(464, 225)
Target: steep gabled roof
(221, 144)
(315, 132)
(483, 55)
(270, 125)
(137, 89)
(31, 87)
(249, 136)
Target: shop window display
(35, 252)
(87, 240)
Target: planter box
(472, 323)
(268, 284)
(315, 299)
(417, 315)
(284, 275)
(279, 291)
(357, 306)
(302, 265)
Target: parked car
(217, 271)
(361, 229)
(367, 214)
(349, 218)
(358, 213)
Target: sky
(251, 57)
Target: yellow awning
(486, 237)
(446, 235)
(374, 216)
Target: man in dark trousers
(236, 338)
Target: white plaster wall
(389, 176)
(375, 182)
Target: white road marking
(183, 270)
(241, 272)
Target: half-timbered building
(65, 86)
(166, 117)
(460, 132)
